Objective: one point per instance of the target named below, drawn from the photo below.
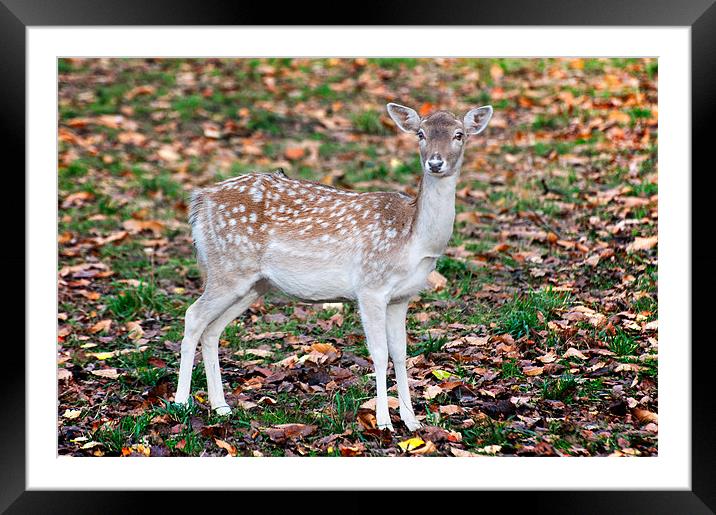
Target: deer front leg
(397, 343)
(373, 316)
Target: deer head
(441, 135)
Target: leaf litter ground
(538, 336)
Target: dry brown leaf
(109, 373)
(294, 153)
(573, 353)
(102, 325)
(393, 403)
(619, 117)
(323, 348)
(367, 420)
(642, 244)
(432, 391)
(645, 416)
(550, 357)
(461, 453)
(450, 409)
(226, 446)
(355, 449)
(167, 153)
(533, 371)
(436, 281)
(137, 226)
(134, 330)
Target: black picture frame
(699, 15)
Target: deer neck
(435, 214)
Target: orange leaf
(426, 109)
(294, 153)
(226, 446)
(102, 325)
(136, 226)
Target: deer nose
(435, 163)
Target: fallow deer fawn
(320, 244)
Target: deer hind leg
(395, 328)
(212, 303)
(373, 314)
(210, 348)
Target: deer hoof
(413, 425)
(223, 410)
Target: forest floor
(540, 341)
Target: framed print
(439, 253)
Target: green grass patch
(560, 388)
(129, 302)
(368, 122)
(530, 311)
(621, 343)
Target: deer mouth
(440, 173)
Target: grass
(559, 389)
(128, 430)
(368, 122)
(510, 369)
(343, 409)
(621, 343)
(428, 346)
(531, 311)
(265, 121)
(129, 302)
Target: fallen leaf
(573, 353)
(134, 330)
(323, 348)
(393, 403)
(367, 419)
(642, 244)
(294, 153)
(102, 325)
(450, 409)
(411, 443)
(355, 449)
(432, 391)
(226, 446)
(436, 281)
(136, 226)
(262, 353)
(645, 416)
(102, 355)
(461, 453)
(282, 432)
(428, 448)
(532, 371)
(490, 449)
(109, 373)
(167, 153)
(441, 374)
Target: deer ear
(404, 117)
(476, 119)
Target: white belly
(321, 284)
(309, 273)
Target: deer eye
(421, 135)
(459, 136)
